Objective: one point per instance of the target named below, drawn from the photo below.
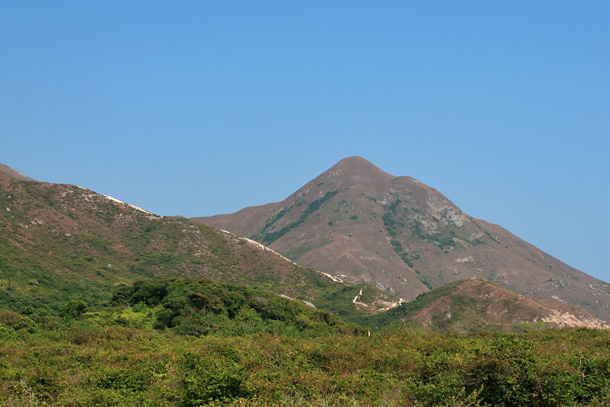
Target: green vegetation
(389, 218)
(295, 253)
(444, 239)
(341, 303)
(203, 307)
(268, 238)
(405, 257)
(389, 221)
(271, 221)
(397, 246)
(84, 246)
(425, 280)
(92, 313)
(93, 360)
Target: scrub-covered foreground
(189, 343)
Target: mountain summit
(365, 225)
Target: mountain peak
(362, 224)
(356, 164)
(354, 172)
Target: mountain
(474, 304)
(61, 242)
(8, 171)
(362, 224)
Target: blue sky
(197, 108)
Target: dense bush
(203, 307)
(83, 364)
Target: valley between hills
(361, 288)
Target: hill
(62, 242)
(473, 305)
(364, 225)
(8, 172)
(169, 337)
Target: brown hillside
(7, 172)
(475, 304)
(60, 242)
(365, 225)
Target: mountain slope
(473, 304)
(61, 242)
(11, 173)
(364, 225)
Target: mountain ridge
(5, 171)
(362, 224)
(62, 242)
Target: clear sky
(197, 108)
